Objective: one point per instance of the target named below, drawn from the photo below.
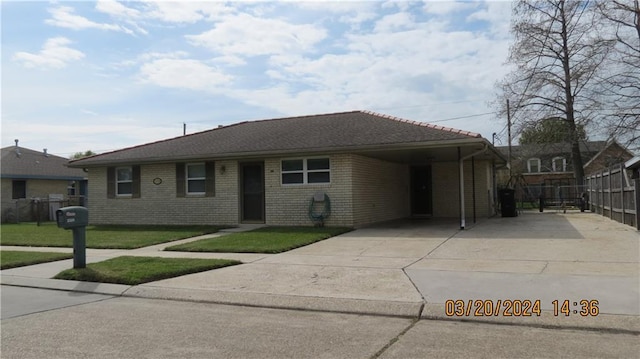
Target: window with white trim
(124, 181)
(306, 171)
(533, 165)
(196, 178)
(559, 164)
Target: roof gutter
(461, 163)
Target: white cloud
(497, 14)
(401, 20)
(187, 11)
(391, 68)
(183, 73)
(54, 54)
(246, 35)
(338, 7)
(115, 8)
(446, 7)
(149, 56)
(63, 16)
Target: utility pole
(184, 128)
(509, 135)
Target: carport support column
(461, 171)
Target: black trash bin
(508, 202)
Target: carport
(447, 179)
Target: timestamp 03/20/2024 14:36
(518, 307)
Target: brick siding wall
(362, 191)
(158, 203)
(380, 190)
(289, 204)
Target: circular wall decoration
(157, 181)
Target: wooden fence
(613, 194)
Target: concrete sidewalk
(412, 268)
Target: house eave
(42, 177)
(298, 152)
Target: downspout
(461, 161)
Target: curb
(65, 285)
(279, 301)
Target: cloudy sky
(105, 75)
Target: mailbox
(72, 217)
(75, 218)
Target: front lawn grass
(113, 237)
(137, 270)
(13, 259)
(262, 240)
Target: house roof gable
(345, 130)
(610, 144)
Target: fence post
(636, 190)
(591, 194)
(602, 192)
(622, 174)
(610, 195)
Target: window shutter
(180, 181)
(135, 185)
(111, 182)
(210, 180)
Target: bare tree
(556, 55)
(621, 83)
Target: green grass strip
(13, 259)
(137, 270)
(108, 237)
(262, 240)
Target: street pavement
(414, 268)
(125, 327)
(20, 301)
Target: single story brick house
(33, 178)
(363, 166)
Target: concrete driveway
(537, 256)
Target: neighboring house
(612, 154)
(370, 166)
(550, 165)
(30, 176)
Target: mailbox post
(75, 218)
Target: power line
(461, 117)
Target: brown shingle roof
(20, 162)
(343, 131)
